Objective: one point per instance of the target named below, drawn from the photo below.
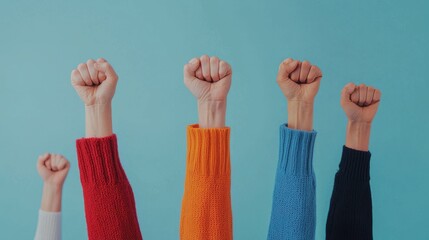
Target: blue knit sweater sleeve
(293, 215)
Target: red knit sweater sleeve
(109, 200)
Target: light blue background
(381, 43)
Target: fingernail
(193, 61)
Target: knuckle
(316, 68)
(378, 93)
(224, 64)
(81, 66)
(214, 59)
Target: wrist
(98, 102)
(98, 118)
(357, 135)
(96, 107)
(52, 187)
(51, 197)
(300, 115)
(211, 114)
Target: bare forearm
(51, 198)
(211, 114)
(357, 136)
(300, 115)
(98, 120)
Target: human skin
(108, 197)
(95, 82)
(208, 172)
(209, 80)
(299, 82)
(360, 103)
(53, 169)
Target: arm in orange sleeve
(206, 206)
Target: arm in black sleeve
(350, 211)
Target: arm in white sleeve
(48, 226)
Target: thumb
(347, 92)
(101, 76)
(76, 78)
(105, 68)
(190, 68)
(286, 68)
(63, 164)
(42, 159)
(44, 165)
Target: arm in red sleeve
(109, 200)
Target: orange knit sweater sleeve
(206, 206)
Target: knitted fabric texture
(350, 212)
(109, 201)
(48, 226)
(293, 214)
(206, 206)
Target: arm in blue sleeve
(293, 215)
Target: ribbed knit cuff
(48, 226)
(208, 150)
(355, 164)
(98, 160)
(296, 151)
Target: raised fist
(208, 78)
(360, 102)
(53, 168)
(299, 81)
(94, 81)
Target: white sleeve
(49, 226)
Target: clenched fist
(209, 80)
(94, 81)
(299, 81)
(53, 169)
(360, 103)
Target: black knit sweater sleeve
(350, 212)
